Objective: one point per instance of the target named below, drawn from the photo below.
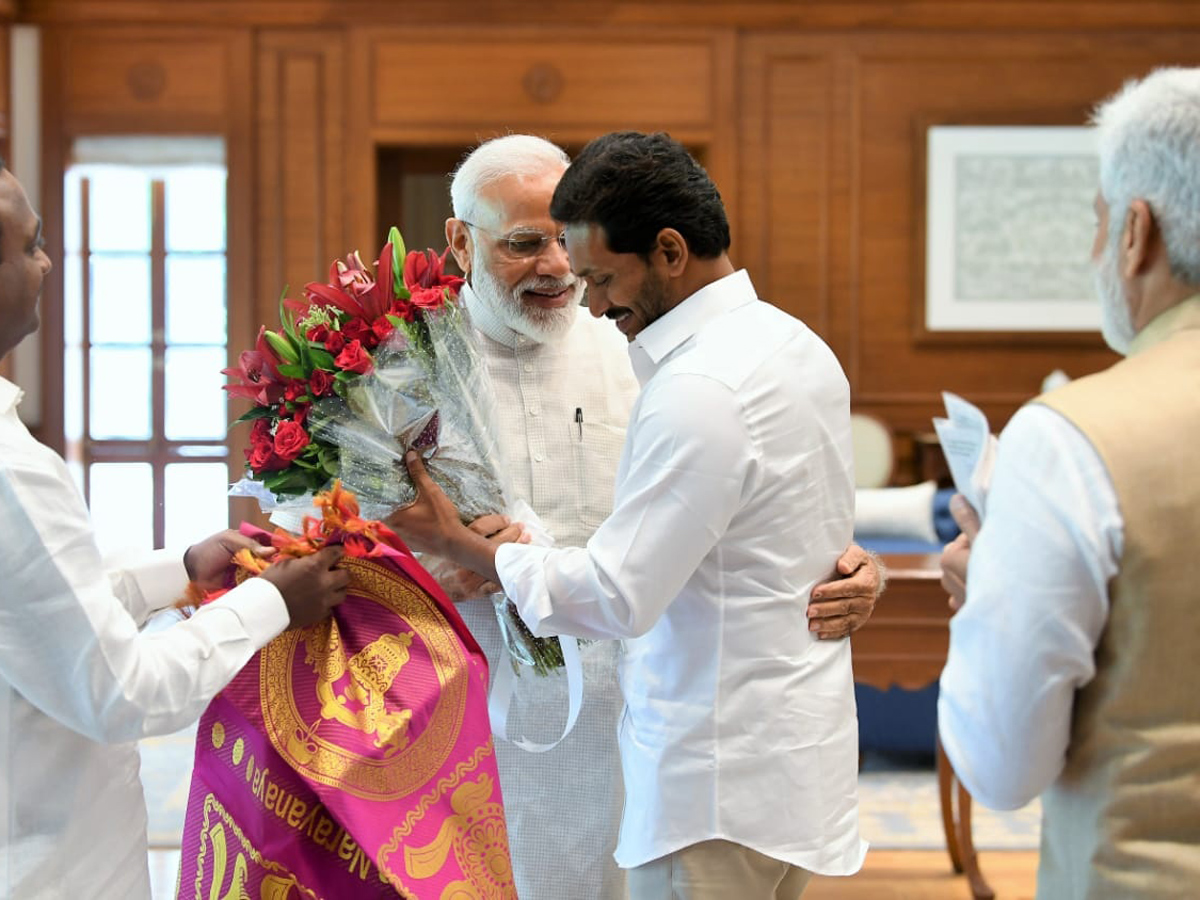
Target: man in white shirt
(734, 498)
(564, 389)
(79, 684)
(1079, 611)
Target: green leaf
(321, 358)
(398, 254)
(289, 325)
(288, 481)
(255, 412)
(293, 371)
(282, 346)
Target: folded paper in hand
(969, 447)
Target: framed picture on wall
(1009, 225)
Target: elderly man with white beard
(1068, 667)
(564, 390)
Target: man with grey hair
(1080, 606)
(564, 390)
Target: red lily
(425, 269)
(351, 288)
(258, 373)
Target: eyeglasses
(523, 243)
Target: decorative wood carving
(146, 80)
(543, 82)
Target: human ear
(458, 238)
(1137, 239)
(674, 250)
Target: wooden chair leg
(956, 822)
(945, 775)
(980, 889)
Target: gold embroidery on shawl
(276, 885)
(409, 761)
(477, 836)
(358, 703)
(491, 853)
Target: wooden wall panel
(779, 15)
(5, 88)
(503, 83)
(300, 150)
(904, 86)
(833, 193)
(120, 79)
(810, 117)
(449, 89)
(787, 184)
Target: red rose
(290, 440)
(262, 458)
(428, 298)
(382, 328)
(260, 432)
(354, 359)
(295, 389)
(402, 309)
(318, 333)
(356, 330)
(335, 342)
(320, 383)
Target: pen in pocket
(579, 420)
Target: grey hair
(1149, 141)
(502, 157)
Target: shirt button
(539, 458)
(534, 411)
(528, 367)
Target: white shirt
(563, 807)
(79, 683)
(1037, 601)
(734, 497)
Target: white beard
(1116, 323)
(544, 326)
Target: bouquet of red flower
(364, 368)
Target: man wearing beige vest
(1072, 658)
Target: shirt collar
(661, 337)
(10, 396)
(1180, 317)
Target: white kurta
(79, 684)
(563, 806)
(734, 497)
(1025, 641)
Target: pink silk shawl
(353, 758)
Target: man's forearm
(473, 551)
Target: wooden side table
(905, 644)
